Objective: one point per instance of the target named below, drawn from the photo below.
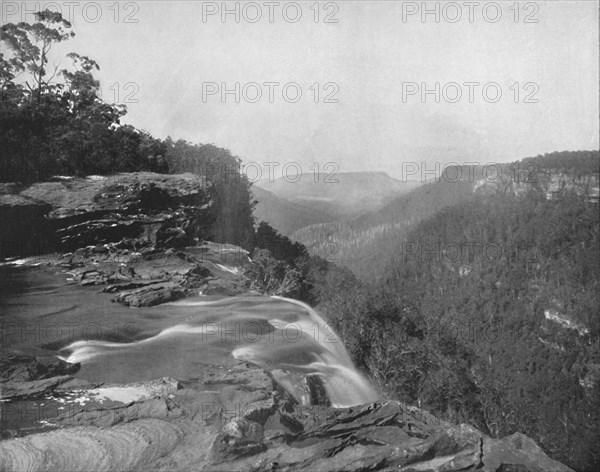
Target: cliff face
(551, 183)
(233, 214)
(68, 213)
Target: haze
(368, 57)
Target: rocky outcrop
(13, 390)
(157, 209)
(547, 182)
(140, 234)
(26, 377)
(146, 275)
(18, 368)
(234, 419)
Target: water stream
(117, 344)
(284, 336)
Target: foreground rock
(141, 234)
(235, 419)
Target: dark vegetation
(363, 243)
(458, 322)
(54, 122)
(463, 334)
(484, 312)
(61, 127)
(575, 164)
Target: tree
(280, 246)
(31, 44)
(56, 123)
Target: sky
(341, 82)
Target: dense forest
(487, 313)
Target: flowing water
(115, 344)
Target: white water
(284, 336)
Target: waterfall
(283, 336)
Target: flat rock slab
(70, 213)
(80, 195)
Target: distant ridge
(364, 242)
(284, 215)
(341, 195)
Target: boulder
(153, 294)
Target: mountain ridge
(362, 242)
(331, 198)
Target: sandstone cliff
(67, 213)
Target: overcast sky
(374, 60)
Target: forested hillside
(285, 215)
(487, 312)
(364, 244)
(230, 188)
